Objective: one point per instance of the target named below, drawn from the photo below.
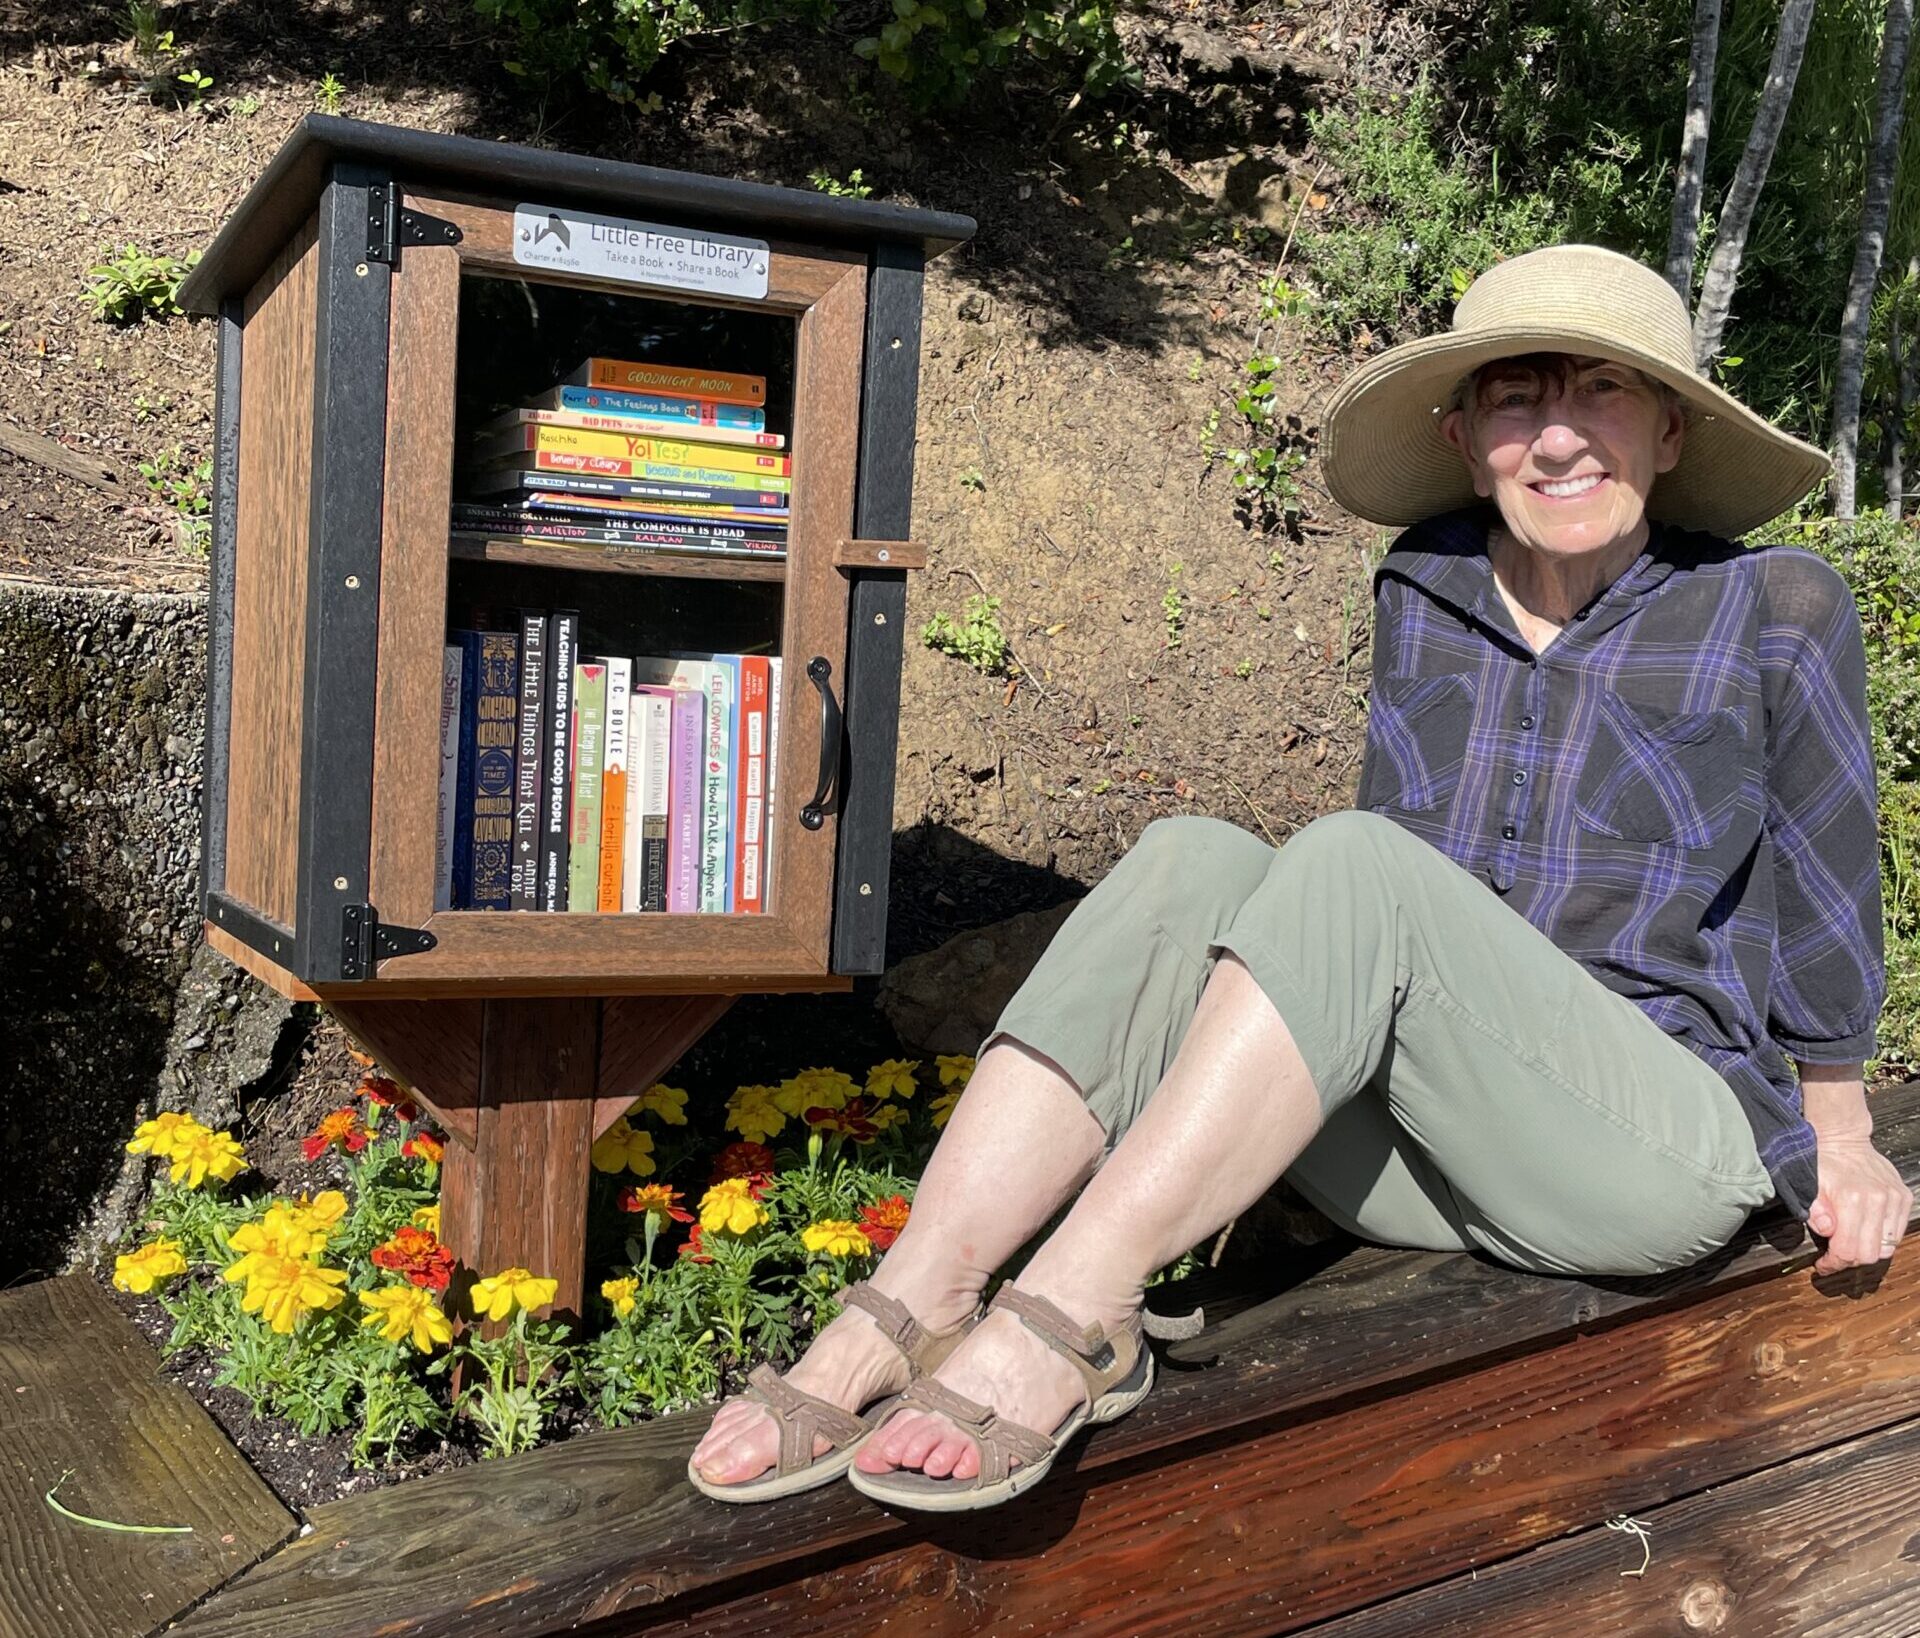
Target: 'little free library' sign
(617, 247)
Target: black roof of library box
(289, 190)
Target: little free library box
(560, 538)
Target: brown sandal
(801, 1415)
(1117, 1367)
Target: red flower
(424, 1145)
(691, 1249)
(340, 1128)
(648, 1197)
(417, 1256)
(387, 1094)
(742, 1159)
(851, 1121)
(882, 1221)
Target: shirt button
(1520, 776)
(1506, 832)
(1526, 722)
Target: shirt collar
(1446, 556)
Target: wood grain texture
(56, 457)
(797, 274)
(432, 1047)
(244, 956)
(596, 984)
(81, 1390)
(640, 1040)
(1823, 1547)
(1378, 1426)
(271, 524)
(602, 560)
(424, 332)
(879, 554)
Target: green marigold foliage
(939, 48)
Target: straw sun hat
(1384, 457)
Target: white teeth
(1574, 486)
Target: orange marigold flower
(341, 1129)
(691, 1250)
(882, 1221)
(658, 1199)
(424, 1145)
(417, 1257)
(741, 1160)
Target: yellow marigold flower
(887, 1115)
(668, 1102)
(836, 1238)
(942, 1107)
(403, 1311)
(497, 1297)
(753, 1112)
(199, 1153)
(428, 1218)
(730, 1208)
(283, 1290)
(318, 1214)
(620, 1294)
(140, 1270)
(158, 1136)
(956, 1068)
(623, 1148)
(814, 1088)
(894, 1078)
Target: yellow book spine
(671, 451)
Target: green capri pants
(1481, 1090)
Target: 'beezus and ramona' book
(685, 380)
(529, 763)
(680, 411)
(556, 784)
(496, 705)
(589, 746)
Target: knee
(1343, 840)
(1183, 858)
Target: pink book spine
(683, 802)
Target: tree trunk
(1906, 381)
(1685, 233)
(1881, 161)
(1736, 216)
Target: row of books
(638, 456)
(604, 783)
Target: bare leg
(1019, 1142)
(1233, 1111)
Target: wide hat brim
(1385, 460)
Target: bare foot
(1002, 1364)
(850, 1364)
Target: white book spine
(653, 760)
(450, 666)
(773, 779)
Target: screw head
(883, 554)
(360, 270)
(352, 582)
(340, 882)
(866, 890)
(879, 619)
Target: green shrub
(977, 639)
(134, 285)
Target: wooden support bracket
(879, 554)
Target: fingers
(1864, 1226)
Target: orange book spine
(750, 787)
(613, 786)
(722, 386)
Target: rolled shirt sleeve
(1828, 970)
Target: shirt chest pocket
(1419, 726)
(1662, 777)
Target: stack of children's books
(627, 457)
(607, 783)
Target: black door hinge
(391, 225)
(365, 939)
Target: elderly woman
(1611, 870)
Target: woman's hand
(1863, 1207)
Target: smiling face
(1567, 447)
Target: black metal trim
(254, 930)
(366, 941)
(285, 195)
(813, 814)
(217, 736)
(877, 610)
(390, 225)
(343, 574)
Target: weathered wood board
(80, 1390)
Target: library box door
(474, 329)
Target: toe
(922, 1443)
(944, 1458)
(968, 1464)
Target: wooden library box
(526, 458)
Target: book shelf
(403, 456)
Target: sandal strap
(895, 1320)
(800, 1416)
(1095, 1353)
(998, 1438)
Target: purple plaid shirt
(1679, 791)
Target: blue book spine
(496, 713)
(469, 642)
(683, 412)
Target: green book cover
(589, 745)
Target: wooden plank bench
(1371, 1424)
